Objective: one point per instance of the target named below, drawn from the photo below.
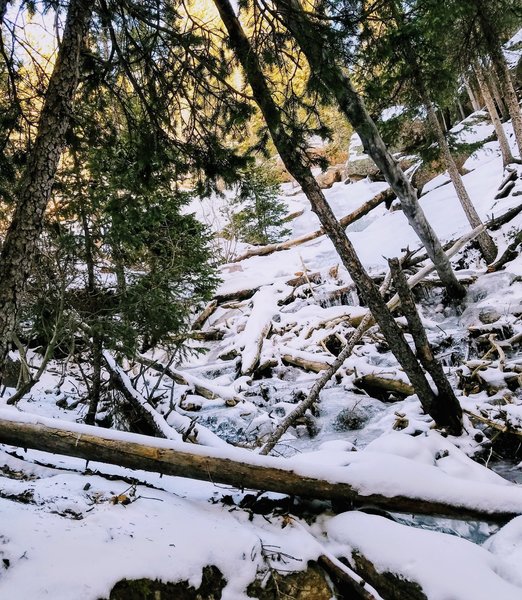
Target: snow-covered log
(257, 328)
(403, 487)
(306, 360)
(371, 382)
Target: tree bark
(487, 245)
(235, 467)
(323, 63)
(297, 166)
(3, 9)
(20, 244)
(507, 157)
(494, 86)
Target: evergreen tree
(259, 214)
(415, 64)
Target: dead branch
(204, 315)
(184, 427)
(122, 383)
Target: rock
(303, 585)
(310, 584)
(211, 587)
(11, 372)
(489, 315)
(350, 419)
(332, 175)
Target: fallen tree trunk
(305, 360)
(363, 210)
(372, 382)
(236, 467)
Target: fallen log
(257, 329)
(371, 382)
(243, 469)
(363, 210)
(510, 253)
(305, 360)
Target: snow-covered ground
(70, 530)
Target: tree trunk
(447, 402)
(20, 244)
(473, 99)
(3, 9)
(487, 245)
(242, 469)
(323, 63)
(296, 164)
(502, 70)
(461, 109)
(95, 391)
(507, 157)
(494, 86)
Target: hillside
(73, 530)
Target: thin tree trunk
(19, 249)
(323, 63)
(507, 157)
(94, 396)
(297, 166)
(494, 86)
(502, 70)
(422, 345)
(461, 109)
(3, 9)
(487, 245)
(473, 99)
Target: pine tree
(319, 45)
(259, 214)
(19, 248)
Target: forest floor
(70, 530)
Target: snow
(445, 566)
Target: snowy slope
(69, 533)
